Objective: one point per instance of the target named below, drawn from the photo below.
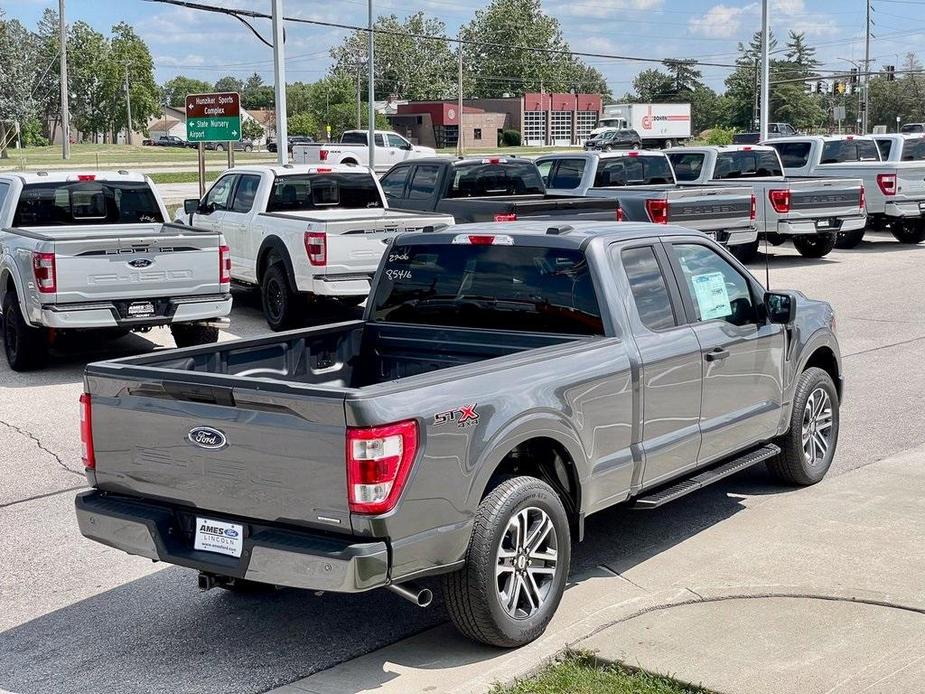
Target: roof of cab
(568, 232)
(292, 169)
(721, 148)
(74, 175)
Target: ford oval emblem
(207, 437)
(140, 262)
(231, 532)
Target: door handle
(716, 354)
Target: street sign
(213, 117)
(839, 112)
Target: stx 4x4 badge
(463, 416)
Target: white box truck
(659, 125)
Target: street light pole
(765, 71)
(279, 75)
(459, 105)
(65, 115)
(866, 72)
(372, 91)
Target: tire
(794, 465)
(474, 594)
(745, 252)
(279, 302)
(849, 239)
(775, 239)
(349, 162)
(668, 144)
(908, 231)
(219, 148)
(815, 246)
(351, 301)
(248, 148)
(192, 334)
(26, 348)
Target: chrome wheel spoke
(526, 562)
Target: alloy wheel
(526, 562)
(817, 426)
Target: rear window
(687, 165)
(567, 174)
(747, 164)
(912, 128)
(353, 138)
(914, 150)
(793, 155)
(322, 191)
(520, 288)
(838, 151)
(86, 202)
(884, 146)
(631, 171)
(502, 178)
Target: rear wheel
(219, 148)
(815, 246)
(909, 231)
(248, 148)
(668, 144)
(516, 565)
(191, 334)
(745, 252)
(280, 304)
(808, 448)
(849, 239)
(26, 347)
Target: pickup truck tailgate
(222, 451)
(910, 179)
(132, 265)
(824, 198)
(704, 209)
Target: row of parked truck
(99, 251)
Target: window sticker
(712, 297)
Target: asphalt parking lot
(79, 617)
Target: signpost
(213, 118)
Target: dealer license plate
(922, 207)
(140, 309)
(823, 223)
(219, 536)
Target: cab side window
(650, 291)
(424, 182)
(245, 193)
(718, 291)
(393, 183)
(219, 197)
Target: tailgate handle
(217, 395)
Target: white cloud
(599, 8)
(720, 21)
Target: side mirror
(191, 205)
(781, 307)
(407, 146)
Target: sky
(208, 46)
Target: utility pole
(359, 102)
(128, 108)
(866, 72)
(765, 72)
(459, 101)
(65, 115)
(279, 76)
(371, 136)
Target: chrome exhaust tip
(422, 597)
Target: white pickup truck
(388, 149)
(808, 212)
(81, 251)
(900, 147)
(303, 233)
(895, 190)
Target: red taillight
(632, 154)
(323, 154)
(477, 240)
(378, 462)
(753, 210)
(86, 177)
(863, 201)
(324, 169)
(746, 149)
(657, 209)
(86, 433)
(887, 183)
(512, 217)
(224, 265)
(620, 216)
(43, 270)
(780, 200)
(316, 247)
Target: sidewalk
(803, 591)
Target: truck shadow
(159, 633)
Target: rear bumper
(905, 208)
(809, 226)
(734, 237)
(354, 284)
(271, 554)
(105, 314)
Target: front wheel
(745, 252)
(248, 148)
(808, 447)
(849, 239)
(815, 246)
(668, 144)
(219, 148)
(909, 231)
(26, 347)
(516, 565)
(191, 334)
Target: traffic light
(820, 86)
(839, 87)
(809, 88)
(853, 80)
(890, 72)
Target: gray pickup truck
(643, 183)
(506, 381)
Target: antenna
(767, 266)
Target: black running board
(702, 478)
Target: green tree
(684, 74)
(19, 77)
(48, 99)
(496, 62)
(304, 124)
(298, 98)
(229, 83)
(653, 86)
(407, 66)
(801, 55)
(87, 78)
(175, 90)
(131, 61)
(333, 103)
(251, 129)
(256, 94)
